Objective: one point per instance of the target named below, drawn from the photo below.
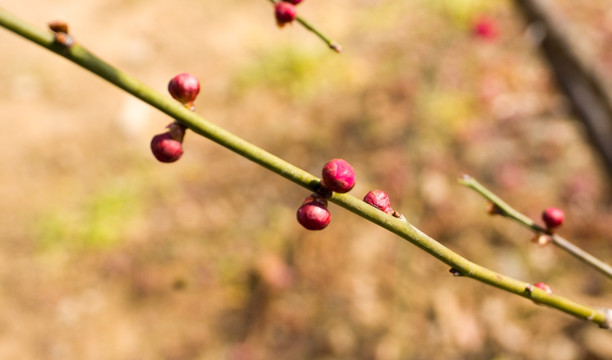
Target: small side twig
(331, 43)
(580, 77)
(502, 208)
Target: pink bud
(313, 215)
(380, 200)
(485, 28)
(553, 217)
(184, 88)
(165, 148)
(543, 286)
(284, 12)
(338, 176)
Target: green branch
(502, 208)
(460, 266)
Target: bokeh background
(107, 254)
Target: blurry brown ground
(107, 254)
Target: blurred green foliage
(97, 222)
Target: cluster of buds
(285, 12)
(337, 176)
(168, 146)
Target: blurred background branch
(578, 74)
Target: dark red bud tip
(294, 2)
(184, 88)
(380, 200)
(543, 286)
(313, 216)
(165, 148)
(284, 12)
(553, 217)
(338, 176)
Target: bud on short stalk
(553, 217)
(284, 12)
(165, 148)
(338, 176)
(184, 88)
(313, 214)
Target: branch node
(455, 272)
(396, 214)
(62, 37)
(492, 209)
(541, 239)
(323, 191)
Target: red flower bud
(184, 88)
(338, 176)
(553, 217)
(284, 12)
(313, 215)
(543, 286)
(485, 28)
(165, 148)
(380, 200)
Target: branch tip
(607, 324)
(465, 179)
(336, 47)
